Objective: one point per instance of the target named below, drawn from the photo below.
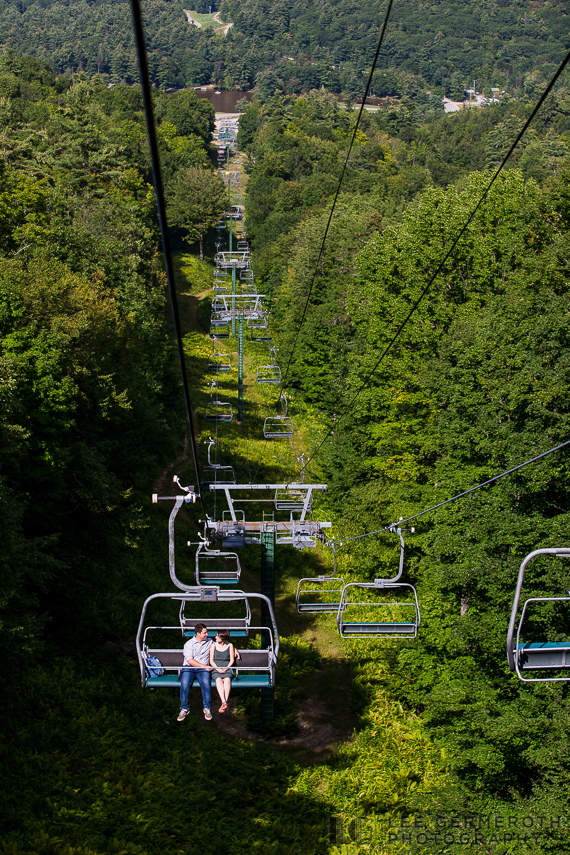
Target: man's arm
(188, 657)
(195, 664)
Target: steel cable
(458, 237)
(161, 209)
(373, 68)
(402, 522)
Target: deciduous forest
(428, 745)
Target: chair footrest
(379, 628)
(544, 655)
(248, 681)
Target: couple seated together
(204, 659)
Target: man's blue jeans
(187, 678)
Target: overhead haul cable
(458, 237)
(403, 522)
(161, 208)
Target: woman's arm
(212, 648)
(232, 656)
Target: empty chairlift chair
(254, 669)
(216, 567)
(233, 530)
(300, 533)
(258, 328)
(279, 427)
(220, 308)
(249, 287)
(221, 283)
(215, 473)
(219, 330)
(216, 410)
(269, 373)
(543, 648)
(320, 594)
(384, 608)
(219, 361)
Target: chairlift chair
(219, 319)
(218, 411)
(249, 288)
(291, 500)
(237, 626)
(260, 336)
(219, 362)
(218, 331)
(259, 323)
(268, 374)
(279, 426)
(549, 658)
(233, 530)
(254, 669)
(320, 594)
(227, 563)
(215, 473)
(358, 618)
(380, 616)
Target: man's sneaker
(182, 715)
(207, 715)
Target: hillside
(424, 745)
(285, 46)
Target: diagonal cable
(161, 208)
(458, 237)
(321, 250)
(453, 498)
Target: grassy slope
(206, 20)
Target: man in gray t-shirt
(196, 665)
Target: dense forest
(433, 745)
(290, 47)
(475, 384)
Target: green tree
(197, 197)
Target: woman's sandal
(223, 708)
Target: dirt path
(225, 27)
(192, 20)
